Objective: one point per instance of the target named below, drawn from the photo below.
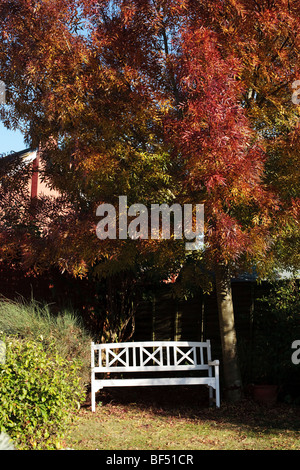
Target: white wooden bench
(183, 358)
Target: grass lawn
(169, 419)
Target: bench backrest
(150, 356)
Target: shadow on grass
(192, 403)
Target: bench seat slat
(156, 381)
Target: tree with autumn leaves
(163, 101)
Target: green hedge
(39, 391)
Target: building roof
(27, 155)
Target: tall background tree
(163, 101)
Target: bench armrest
(214, 363)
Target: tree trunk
(232, 377)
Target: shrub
(265, 353)
(39, 391)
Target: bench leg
(94, 390)
(214, 396)
(218, 404)
(93, 399)
(218, 400)
(211, 396)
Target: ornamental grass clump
(35, 321)
(39, 392)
